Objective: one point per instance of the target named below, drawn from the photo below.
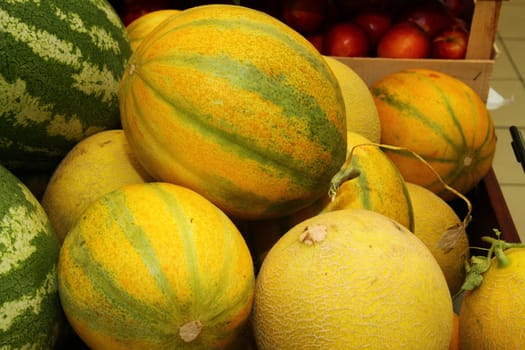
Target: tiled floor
(508, 80)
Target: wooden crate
(475, 70)
(490, 211)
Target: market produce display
(214, 180)
(384, 28)
(59, 77)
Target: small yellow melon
(362, 116)
(97, 165)
(351, 279)
(378, 186)
(492, 316)
(143, 25)
(438, 226)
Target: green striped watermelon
(61, 65)
(30, 312)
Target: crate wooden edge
(489, 211)
(498, 207)
(475, 73)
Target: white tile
(503, 68)
(511, 19)
(516, 52)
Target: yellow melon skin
(97, 165)
(379, 186)
(155, 266)
(351, 279)
(492, 316)
(432, 218)
(441, 119)
(232, 103)
(144, 25)
(361, 112)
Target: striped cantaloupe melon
(232, 103)
(30, 312)
(59, 77)
(155, 266)
(443, 120)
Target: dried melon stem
(450, 236)
(313, 234)
(190, 330)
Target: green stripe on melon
(442, 120)
(237, 106)
(180, 259)
(59, 77)
(30, 312)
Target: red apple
(432, 16)
(375, 22)
(460, 8)
(450, 43)
(404, 40)
(305, 16)
(346, 39)
(458, 22)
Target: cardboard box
(475, 70)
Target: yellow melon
(351, 279)
(378, 186)
(361, 112)
(441, 119)
(155, 266)
(143, 25)
(439, 227)
(492, 316)
(97, 165)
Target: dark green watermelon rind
(30, 311)
(69, 90)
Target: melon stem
(498, 246)
(339, 178)
(478, 265)
(189, 331)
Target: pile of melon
(253, 194)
